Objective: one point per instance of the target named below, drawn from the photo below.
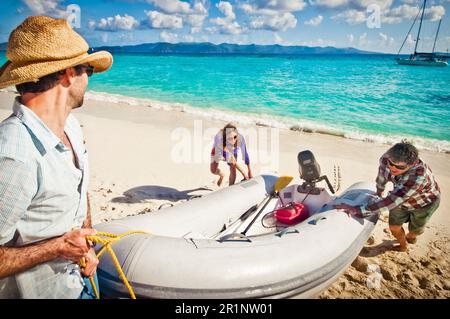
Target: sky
(372, 25)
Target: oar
(243, 217)
(281, 183)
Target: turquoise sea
(363, 97)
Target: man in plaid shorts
(413, 200)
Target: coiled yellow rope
(107, 242)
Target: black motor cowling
(308, 167)
(309, 171)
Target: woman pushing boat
(227, 142)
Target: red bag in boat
(292, 213)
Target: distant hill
(207, 48)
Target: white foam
(273, 121)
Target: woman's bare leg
(214, 168)
(232, 174)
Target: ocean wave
(300, 125)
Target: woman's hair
(403, 152)
(230, 127)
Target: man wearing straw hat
(44, 215)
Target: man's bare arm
(71, 246)
(15, 260)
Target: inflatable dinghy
(198, 249)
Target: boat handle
(164, 205)
(234, 237)
(287, 230)
(314, 221)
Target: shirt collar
(46, 137)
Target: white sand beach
(135, 169)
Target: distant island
(207, 48)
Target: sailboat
(423, 58)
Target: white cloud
(411, 1)
(315, 21)
(351, 16)
(46, 7)
(166, 36)
(116, 23)
(212, 29)
(363, 40)
(396, 15)
(385, 40)
(434, 13)
(158, 20)
(172, 6)
(364, 4)
(193, 14)
(355, 10)
(180, 7)
(228, 23)
(329, 3)
(227, 9)
(273, 15)
(227, 27)
(359, 5)
(280, 22)
(350, 38)
(272, 7)
(195, 21)
(91, 24)
(407, 12)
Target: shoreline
(134, 171)
(267, 120)
(275, 121)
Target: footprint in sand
(371, 240)
(389, 272)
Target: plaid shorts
(416, 218)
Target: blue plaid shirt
(42, 195)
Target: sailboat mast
(437, 32)
(420, 26)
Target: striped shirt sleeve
(381, 179)
(18, 185)
(400, 194)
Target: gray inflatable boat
(196, 249)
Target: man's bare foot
(411, 240)
(220, 180)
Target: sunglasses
(89, 69)
(400, 167)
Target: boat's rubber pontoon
(196, 250)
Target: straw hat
(43, 45)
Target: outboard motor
(296, 211)
(309, 171)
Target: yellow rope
(107, 242)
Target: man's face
(398, 168)
(77, 90)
